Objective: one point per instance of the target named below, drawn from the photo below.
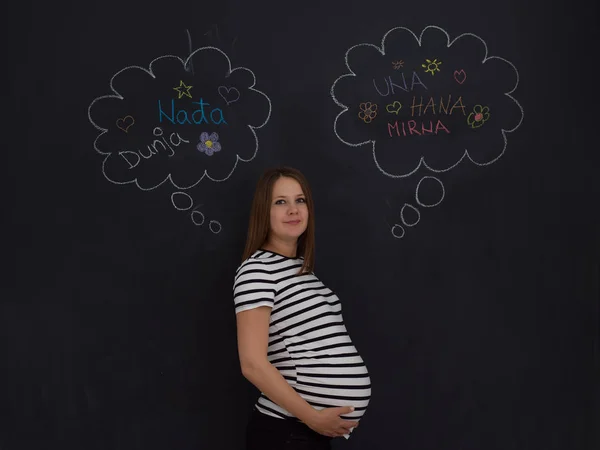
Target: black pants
(270, 433)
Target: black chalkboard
(452, 152)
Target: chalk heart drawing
(460, 76)
(125, 123)
(436, 107)
(394, 108)
(230, 95)
(168, 126)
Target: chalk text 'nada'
(198, 116)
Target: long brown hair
(260, 216)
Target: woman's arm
(253, 342)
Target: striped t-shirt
(308, 342)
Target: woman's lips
(293, 222)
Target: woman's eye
(282, 201)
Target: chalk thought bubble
(426, 100)
(179, 121)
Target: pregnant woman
(292, 341)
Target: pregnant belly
(334, 380)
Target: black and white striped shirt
(308, 341)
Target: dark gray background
(479, 327)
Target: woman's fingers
(349, 424)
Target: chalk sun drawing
(401, 152)
(432, 66)
(162, 145)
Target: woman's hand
(329, 423)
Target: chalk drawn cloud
(155, 126)
(438, 101)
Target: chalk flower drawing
(368, 111)
(209, 143)
(479, 116)
(362, 58)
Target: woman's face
(289, 212)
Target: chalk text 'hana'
(440, 108)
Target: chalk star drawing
(182, 90)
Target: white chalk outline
(402, 214)
(422, 159)
(195, 211)
(417, 192)
(210, 226)
(394, 234)
(149, 72)
(181, 193)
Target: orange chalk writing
(418, 108)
